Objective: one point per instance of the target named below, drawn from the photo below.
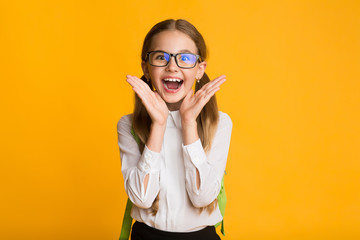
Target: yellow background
(292, 92)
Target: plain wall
(292, 92)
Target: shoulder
(125, 122)
(224, 120)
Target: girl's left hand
(193, 103)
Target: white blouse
(172, 175)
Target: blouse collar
(174, 119)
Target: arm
(190, 135)
(140, 171)
(189, 111)
(154, 143)
(205, 172)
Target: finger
(141, 94)
(219, 80)
(203, 95)
(190, 98)
(215, 82)
(150, 102)
(135, 81)
(201, 101)
(130, 81)
(159, 98)
(189, 94)
(145, 93)
(211, 93)
(222, 78)
(214, 86)
(142, 89)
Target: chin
(172, 99)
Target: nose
(172, 66)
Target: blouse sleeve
(135, 166)
(211, 166)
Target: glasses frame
(198, 59)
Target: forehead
(173, 41)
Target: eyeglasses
(162, 59)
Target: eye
(188, 58)
(161, 56)
(185, 57)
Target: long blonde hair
(208, 118)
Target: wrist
(155, 140)
(189, 131)
(157, 126)
(189, 124)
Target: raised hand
(154, 104)
(193, 103)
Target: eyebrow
(185, 51)
(181, 51)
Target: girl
(174, 175)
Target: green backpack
(127, 220)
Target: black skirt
(141, 231)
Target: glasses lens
(159, 58)
(186, 60)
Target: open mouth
(172, 84)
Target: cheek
(190, 80)
(155, 78)
(154, 72)
(190, 76)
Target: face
(171, 82)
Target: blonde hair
(208, 118)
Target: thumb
(157, 95)
(189, 94)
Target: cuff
(150, 161)
(195, 153)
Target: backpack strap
(222, 199)
(127, 221)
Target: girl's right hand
(154, 104)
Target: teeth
(172, 80)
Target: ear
(145, 69)
(201, 69)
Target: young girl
(173, 177)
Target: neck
(174, 106)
